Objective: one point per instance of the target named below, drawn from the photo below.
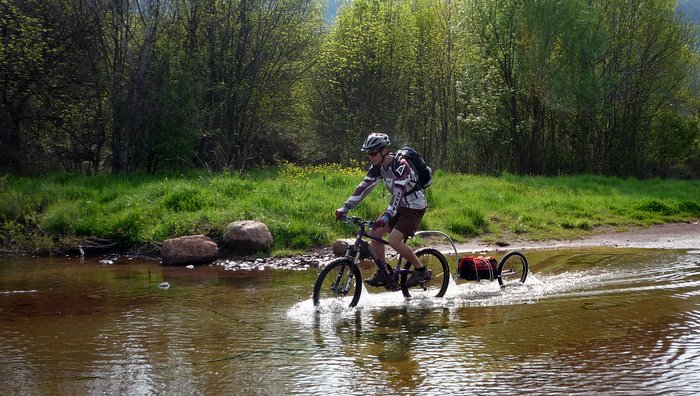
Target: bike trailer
(477, 268)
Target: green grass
(297, 204)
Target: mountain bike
(341, 279)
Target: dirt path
(663, 236)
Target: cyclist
(405, 211)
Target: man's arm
(372, 178)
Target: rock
(339, 247)
(191, 249)
(247, 237)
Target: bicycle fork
(335, 287)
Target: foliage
(482, 86)
(575, 87)
(137, 85)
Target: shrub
(689, 207)
(655, 206)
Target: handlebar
(357, 221)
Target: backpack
(422, 170)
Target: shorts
(406, 220)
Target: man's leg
(406, 223)
(377, 279)
(396, 242)
(378, 247)
(420, 273)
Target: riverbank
(64, 213)
(680, 235)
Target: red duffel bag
(476, 268)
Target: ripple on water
(625, 324)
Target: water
(593, 320)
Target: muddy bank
(664, 236)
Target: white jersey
(399, 181)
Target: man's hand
(341, 212)
(381, 221)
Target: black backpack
(423, 171)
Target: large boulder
(339, 248)
(247, 237)
(191, 249)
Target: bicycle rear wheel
(341, 281)
(436, 263)
(512, 269)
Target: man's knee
(395, 238)
(379, 232)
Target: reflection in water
(628, 323)
(586, 321)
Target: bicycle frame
(342, 277)
(390, 275)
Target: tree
(256, 54)
(388, 66)
(572, 87)
(23, 61)
(433, 108)
(363, 76)
(644, 71)
(130, 30)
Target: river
(588, 320)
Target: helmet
(376, 142)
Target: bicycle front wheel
(512, 269)
(340, 281)
(439, 270)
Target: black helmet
(375, 142)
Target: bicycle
(341, 278)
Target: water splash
(675, 274)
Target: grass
(297, 204)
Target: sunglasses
(372, 153)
